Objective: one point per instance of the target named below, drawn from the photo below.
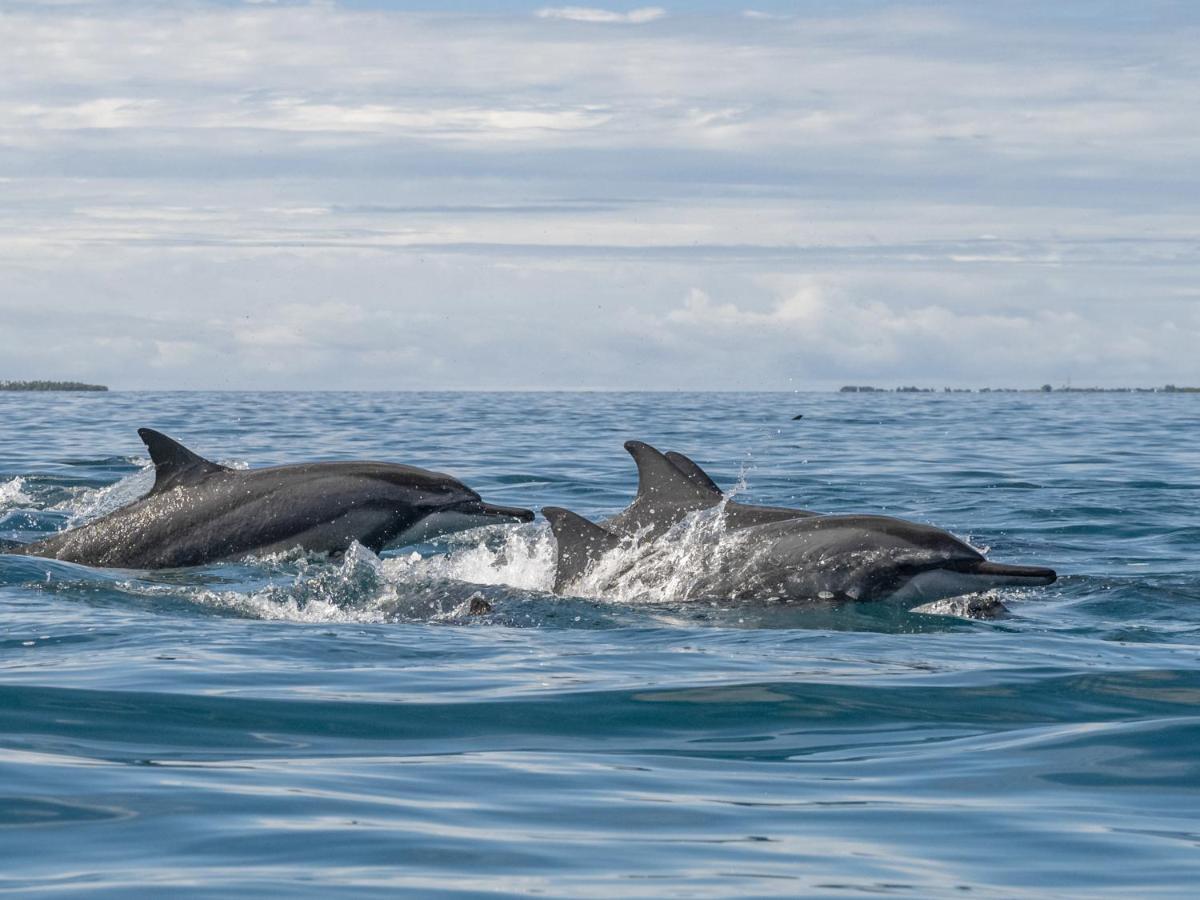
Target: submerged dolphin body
(767, 552)
(200, 512)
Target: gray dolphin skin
(200, 512)
(795, 556)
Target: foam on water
(522, 557)
(360, 588)
(12, 495)
(439, 586)
(92, 503)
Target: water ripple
(364, 726)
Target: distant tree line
(1045, 388)
(50, 386)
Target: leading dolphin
(200, 512)
(765, 552)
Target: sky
(504, 195)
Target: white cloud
(294, 114)
(817, 329)
(589, 14)
(282, 190)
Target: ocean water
(300, 727)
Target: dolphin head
(475, 507)
(439, 504)
(876, 557)
(929, 581)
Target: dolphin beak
(510, 513)
(1015, 575)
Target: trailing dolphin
(200, 512)
(762, 552)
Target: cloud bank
(587, 14)
(318, 196)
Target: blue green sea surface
(303, 727)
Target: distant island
(50, 386)
(1044, 389)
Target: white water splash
(525, 560)
(972, 606)
(11, 493)
(362, 588)
(666, 569)
(91, 503)
(352, 591)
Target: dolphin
(766, 551)
(200, 512)
(672, 486)
(810, 558)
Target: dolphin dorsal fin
(174, 464)
(737, 515)
(693, 471)
(580, 543)
(660, 481)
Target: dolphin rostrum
(200, 512)
(765, 552)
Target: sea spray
(520, 557)
(92, 503)
(12, 495)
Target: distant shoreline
(50, 386)
(1044, 389)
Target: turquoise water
(299, 727)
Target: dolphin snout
(513, 513)
(1024, 575)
